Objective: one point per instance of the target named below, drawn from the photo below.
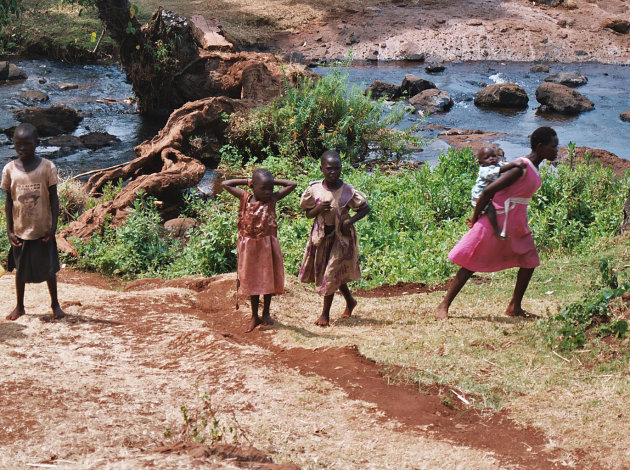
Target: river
(102, 90)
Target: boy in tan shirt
(32, 210)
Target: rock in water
(414, 85)
(538, 68)
(561, 99)
(502, 95)
(625, 116)
(380, 89)
(50, 121)
(10, 72)
(432, 101)
(95, 140)
(34, 95)
(570, 79)
(435, 68)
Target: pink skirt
(260, 267)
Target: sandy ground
(100, 388)
(449, 30)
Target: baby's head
(262, 184)
(487, 156)
(25, 140)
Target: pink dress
(481, 250)
(260, 267)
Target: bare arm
(361, 212)
(8, 210)
(230, 186)
(288, 186)
(514, 164)
(54, 208)
(505, 180)
(318, 209)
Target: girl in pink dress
(481, 250)
(260, 268)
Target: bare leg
(266, 316)
(515, 309)
(54, 302)
(324, 319)
(18, 311)
(492, 217)
(255, 321)
(350, 302)
(462, 276)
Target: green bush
(568, 329)
(320, 114)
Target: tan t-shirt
(32, 216)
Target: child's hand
(470, 222)
(522, 165)
(47, 236)
(14, 240)
(324, 206)
(345, 227)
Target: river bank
(386, 30)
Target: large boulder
(414, 85)
(556, 98)
(10, 72)
(502, 95)
(618, 25)
(379, 89)
(625, 116)
(432, 101)
(50, 121)
(570, 79)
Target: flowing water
(102, 90)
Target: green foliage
(139, 247)
(568, 329)
(320, 114)
(111, 190)
(576, 206)
(9, 8)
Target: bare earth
(517, 30)
(100, 388)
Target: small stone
(34, 95)
(538, 68)
(625, 116)
(178, 227)
(42, 80)
(435, 68)
(571, 79)
(68, 86)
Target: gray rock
(570, 79)
(380, 89)
(625, 116)
(10, 72)
(556, 98)
(95, 140)
(68, 86)
(502, 95)
(435, 68)
(432, 101)
(50, 121)
(42, 80)
(34, 95)
(63, 141)
(538, 68)
(413, 85)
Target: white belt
(508, 205)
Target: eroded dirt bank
(101, 387)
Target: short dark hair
(261, 173)
(542, 135)
(26, 129)
(329, 154)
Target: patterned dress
(331, 258)
(260, 267)
(481, 250)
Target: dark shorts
(35, 261)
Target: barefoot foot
(441, 312)
(266, 319)
(253, 324)
(510, 312)
(322, 321)
(15, 314)
(58, 313)
(349, 308)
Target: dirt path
(100, 388)
(518, 30)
